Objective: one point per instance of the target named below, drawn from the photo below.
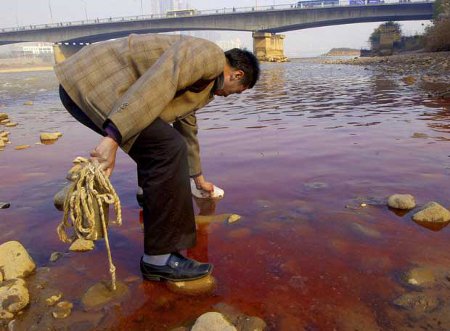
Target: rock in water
(418, 302)
(233, 218)
(15, 261)
(432, 216)
(60, 197)
(212, 321)
(11, 124)
(3, 116)
(82, 245)
(62, 310)
(409, 80)
(420, 277)
(4, 205)
(200, 286)
(14, 295)
(100, 294)
(20, 147)
(401, 201)
(28, 103)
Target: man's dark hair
(247, 62)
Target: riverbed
(307, 158)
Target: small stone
(62, 310)
(409, 80)
(15, 261)
(28, 103)
(233, 218)
(432, 214)
(51, 301)
(47, 137)
(420, 277)
(11, 124)
(20, 147)
(5, 121)
(82, 245)
(419, 135)
(100, 294)
(401, 201)
(200, 286)
(3, 116)
(14, 295)
(418, 302)
(6, 315)
(212, 321)
(55, 256)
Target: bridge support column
(62, 52)
(269, 47)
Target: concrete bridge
(264, 22)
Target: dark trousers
(160, 153)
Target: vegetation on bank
(437, 36)
(387, 38)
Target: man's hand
(202, 184)
(105, 155)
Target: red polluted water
(307, 159)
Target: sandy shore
(25, 69)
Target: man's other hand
(202, 184)
(105, 155)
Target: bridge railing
(233, 10)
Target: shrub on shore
(437, 36)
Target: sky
(308, 42)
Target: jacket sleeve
(187, 126)
(185, 62)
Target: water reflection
(291, 154)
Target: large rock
(432, 216)
(212, 321)
(15, 261)
(82, 245)
(200, 286)
(14, 295)
(401, 201)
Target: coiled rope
(89, 185)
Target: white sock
(156, 259)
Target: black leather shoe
(178, 268)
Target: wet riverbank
(307, 158)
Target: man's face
(232, 84)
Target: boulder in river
(432, 216)
(212, 321)
(14, 295)
(15, 261)
(401, 201)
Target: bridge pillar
(269, 47)
(62, 52)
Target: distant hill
(343, 52)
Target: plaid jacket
(133, 80)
